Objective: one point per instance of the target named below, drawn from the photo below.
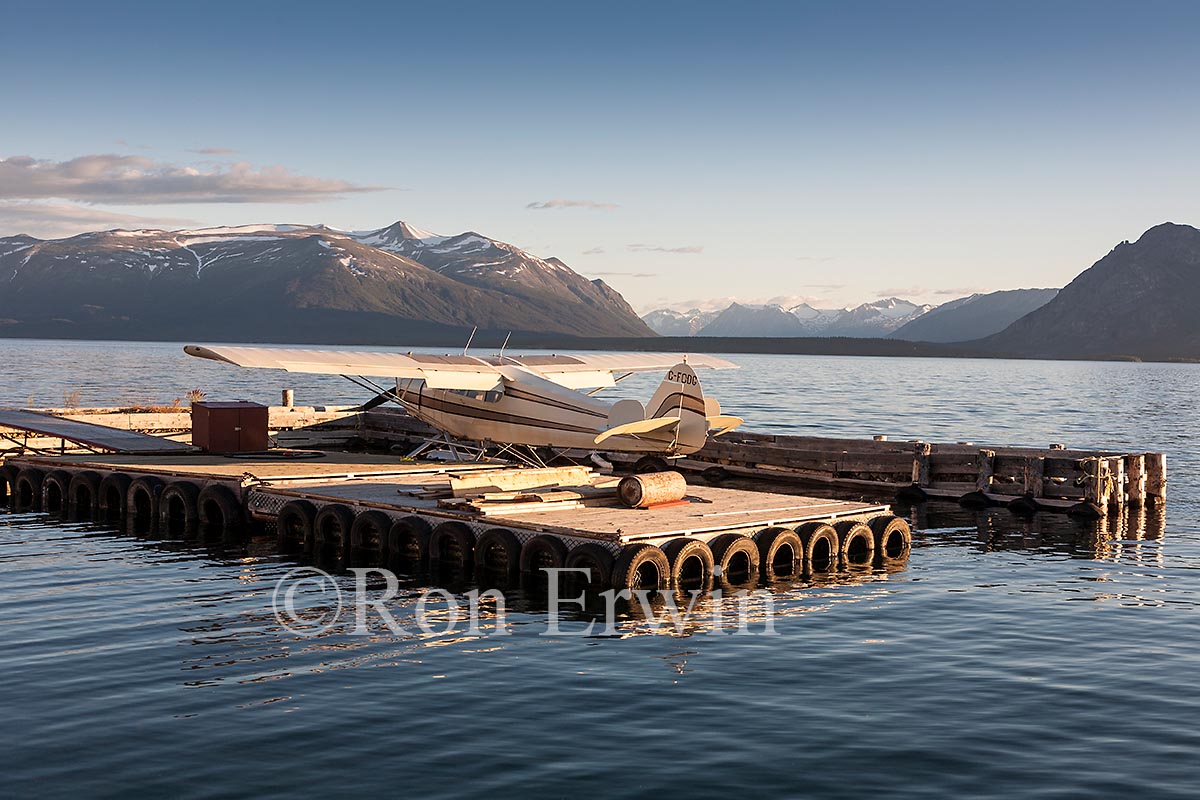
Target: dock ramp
(99, 437)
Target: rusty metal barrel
(642, 491)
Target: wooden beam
(920, 469)
(987, 466)
(1035, 469)
(1156, 477)
(1135, 475)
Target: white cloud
(560, 203)
(214, 151)
(57, 220)
(140, 180)
(691, 249)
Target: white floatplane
(527, 401)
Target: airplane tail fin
(678, 415)
(680, 396)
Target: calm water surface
(1046, 658)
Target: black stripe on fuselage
(522, 394)
(449, 407)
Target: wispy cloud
(140, 180)
(828, 287)
(690, 249)
(594, 251)
(126, 143)
(817, 259)
(628, 274)
(214, 151)
(56, 220)
(923, 291)
(591, 205)
(961, 292)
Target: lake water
(1049, 658)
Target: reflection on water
(1007, 657)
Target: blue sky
(836, 152)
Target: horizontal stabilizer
(641, 426)
(723, 423)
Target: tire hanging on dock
(821, 547)
(893, 538)
(857, 543)
(179, 510)
(368, 535)
(294, 527)
(332, 533)
(8, 477)
(55, 491)
(83, 496)
(642, 566)
(543, 552)
(691, 563)
(141, 505)
(452, 544)
(220, 513)
(780, 552)
(111, 503)
(408, 540)
(736, 559)
(27, 490)
(498, 550)
(597, 560)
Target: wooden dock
(363, 508)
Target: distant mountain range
(878, 318)
(398, 284)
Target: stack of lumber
(494, 493)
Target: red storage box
(239, 427)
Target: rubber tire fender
(8, 479)
(851, 534)
(728, 546)
(650, 464)
(886, 530)
(368, 534)
(500, 540)
(633, 558)
(90, 481)
(683, 549)
(58, 480)
(221, 499)
(294, 527)
(594, 557)
(408, 539)
(446, 539)
(152, 487)
(771, 543)
(812, 534)
(188, 495)
(113, 483)
(29, 481)
(331, 532)
(541, 549)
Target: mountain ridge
(111, 280)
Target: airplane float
(519, 403)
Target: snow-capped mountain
(878, 318)
(669, 322)
(278, 281)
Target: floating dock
(352, 508)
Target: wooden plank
(1135, 474)
(1156, 477)
(986, 461)
(512, 479)
(1034, 476)
(920, 466)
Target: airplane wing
(587, 370)
(438, 372)
(575, 371)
